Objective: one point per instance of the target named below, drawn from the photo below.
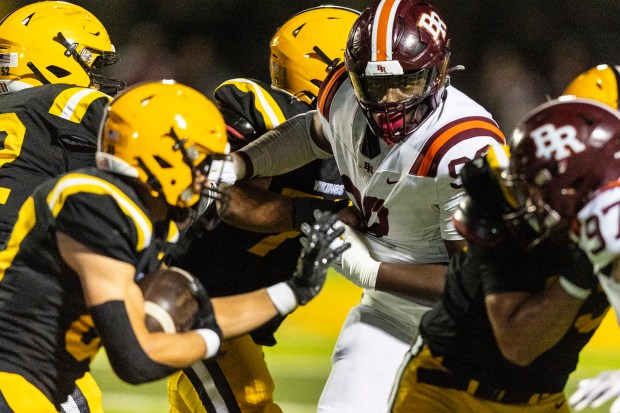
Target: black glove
(576, 267)
(316, 256)
(206, 315)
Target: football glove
(577, 275)
(596, 391)
(316, 256)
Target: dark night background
(516, 54)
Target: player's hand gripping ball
(169, 301)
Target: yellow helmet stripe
(265, 104)
(75, 183)
(73, 103)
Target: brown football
(169, 303)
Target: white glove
(356, 263)
(596, 391)
(238, 167)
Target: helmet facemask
(396, 105)
(533, 218)
(92, 62)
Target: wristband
(212, 340)
(240, 162)
(574, 290)
(282, 297)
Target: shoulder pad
(329, 87)
(448, 136)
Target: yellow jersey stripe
(72, 104)
(75, 183)
(25, 222)
(265, 104)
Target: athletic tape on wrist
(282, 297)
(212, 340)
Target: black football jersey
(459, 330)
(44, 132)
(229, 260)
(46, 332)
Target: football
(169, 304)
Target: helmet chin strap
(38, 73)
(331, 63)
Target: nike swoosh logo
(390, 182)
(558, 405)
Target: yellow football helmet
(55, 42)
(306, 47)
(598, 83)
(162, 133)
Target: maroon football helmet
(397, 57)
(561, 154)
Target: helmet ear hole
(162, 162)
(59, 72)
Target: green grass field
(300, 362)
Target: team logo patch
(8, 59)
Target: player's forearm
(526, 325)
(242, 313)
(421, 282)
(255, 209)
(138, 356)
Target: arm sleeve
(283, 149)
(127, 358)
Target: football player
(400, 135)
(68, 272)
(522, 300)
(52, 94)
(230, 260)
(600, 83)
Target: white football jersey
(409, 191)
(599, 237)
(599, 226)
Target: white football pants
(368, 354)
